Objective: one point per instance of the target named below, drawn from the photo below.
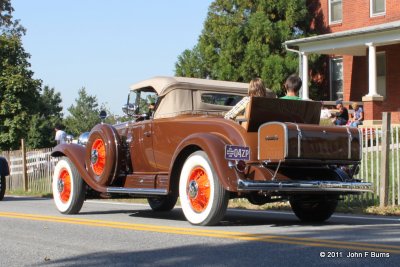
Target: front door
(141, 147)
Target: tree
(83, 115)
(243, 39)
(25, 112)
(41, 130)
(7, 24)
(18, 90)
(190, 64)
(5, 13)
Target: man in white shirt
(60, 135)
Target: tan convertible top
(164, 84)
(181, 95)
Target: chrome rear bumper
(304, 186)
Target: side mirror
(129, 109)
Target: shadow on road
(23, 198)
(229, 254)
(232, 218)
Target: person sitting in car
(256, 88)
(292, 86)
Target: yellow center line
(311, 242)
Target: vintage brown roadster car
(177, 144)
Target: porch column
(305, 93)
(372, 101)
(372, 70)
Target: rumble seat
(261, 110)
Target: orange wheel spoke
(64, 185)
(98, 156)
(198, 189)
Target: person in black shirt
(342, 116)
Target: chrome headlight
(83, 138)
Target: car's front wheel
(2, 186)
(203, 199)
(68, 187)
(313, 208)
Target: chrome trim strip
(113, 130)
(360, 142)
(138, 191)
(350, 139)
(304, 186)
(299, 137)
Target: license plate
(237, 152)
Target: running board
(137, 191)
(304, 186)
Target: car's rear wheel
(68, 187)
(313, 208)
(162, 203)
(2, 186)
(203, 199)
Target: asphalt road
(33, 233)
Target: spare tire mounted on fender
(103, 153)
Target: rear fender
(214, 146)
(76, 153)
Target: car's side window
(220, 99)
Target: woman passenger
(256, 88)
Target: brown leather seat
(261, 110)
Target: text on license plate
(237, 152)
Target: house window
(378, 7)
(335, 11)
(336, 74)
(381, 73)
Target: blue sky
(105, 46)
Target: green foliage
(84, 115)
(190, 64)
(244, 39)
(41, 130)
(9, 26)
(5, 13)
(19, 92)
(25, 112)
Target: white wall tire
(68, 187)
(203, 199)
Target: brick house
(361, 39)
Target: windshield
(143, 101)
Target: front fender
(4, 169)
(76, 153)
(214, 146)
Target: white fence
(371, 163)
(39, 169)
(40, 166)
